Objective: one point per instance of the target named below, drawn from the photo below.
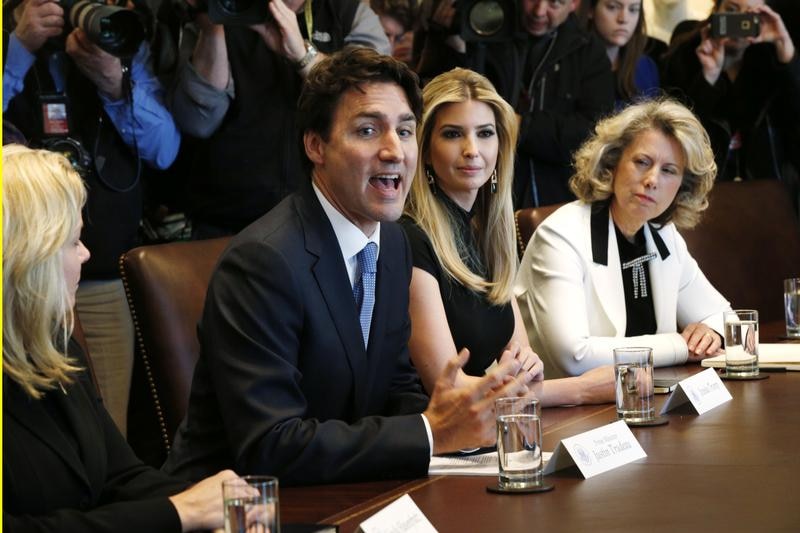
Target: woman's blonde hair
(596, 161)
(42, 201)
(493, 215)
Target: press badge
(55, 117)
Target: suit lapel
(32, 415)
(606, 271)
(331, 276)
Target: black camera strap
(52, 74)
(100, 160)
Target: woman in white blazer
(611, 269)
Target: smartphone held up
(735, 25)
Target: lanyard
(309, 20)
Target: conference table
(734, 468)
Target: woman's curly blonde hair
(596, 161)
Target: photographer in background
(438, 46)
(398, 19)
(63, 92)
(745, 90)
(236, 93)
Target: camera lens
(486, 18)
(116, 30)
(70, 148)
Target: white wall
(663, 15)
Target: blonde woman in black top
(66, 467)
(459, 220)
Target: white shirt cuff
(429, 432)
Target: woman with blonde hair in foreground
(66, 467)
(459, 221)
(610, 269)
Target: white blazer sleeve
(698, 300)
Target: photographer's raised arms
(235, 98)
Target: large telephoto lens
(116, 30)
(486, 18)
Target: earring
(493, 181)
(431, 182)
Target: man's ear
(315, 147)
(575, 4)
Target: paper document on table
(482, 464)
(769, 356)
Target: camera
(488, 20)
(114, 29)
(238, 12)
(73, 150)
(734, 25)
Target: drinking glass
(741, 343)
(519, 442)
(791, 302)
(633, 368)
(251, 504)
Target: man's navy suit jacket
(284, 385)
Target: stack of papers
(785, 356)
(482, 464)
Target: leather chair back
(747, 243)
(527, 220)
(166, 287)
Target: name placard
(597, 451)
(704, 391)
(400, 516)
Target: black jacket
(572, 86)
(67, 468)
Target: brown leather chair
(747, 243)
(166, 287)
(526, 222)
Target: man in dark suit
(294, 378)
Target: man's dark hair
(350, 68)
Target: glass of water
(741, 343)
(635, 395)
(251, 504)
(791, 302)
(519, 442)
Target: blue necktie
(364, 288)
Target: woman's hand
(773, 30)
(530, 363)
(597, 385)
(711, 54)
(702, 341)
(200, 506)
(528, 359)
